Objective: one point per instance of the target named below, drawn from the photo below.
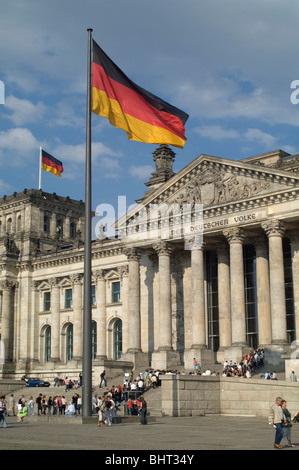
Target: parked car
(35, 382)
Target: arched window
(93, 340)
(117, 339)
(69, 342)
(48, 344)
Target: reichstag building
(212, 275)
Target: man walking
(103, 379)
(195, 365)
(276, 420)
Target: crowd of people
(107, 406)
(56, 405)
(129, 393)
(133, 386)
(246, 367)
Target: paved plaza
(161, 434)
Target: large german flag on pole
(144, 116)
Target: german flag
(51, 164)
(144, 116)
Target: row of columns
(232, 326)
(231, 292)
(8, 324)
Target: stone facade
(192, 395)
(206, 265)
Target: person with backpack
(38, 401)
(103, 379)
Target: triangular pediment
(213, 182)
(44, 286)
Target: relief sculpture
(218, 186)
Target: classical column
(7, 323)
(263, 292)
(124, 289)
(165, 321)
(275, 230)
(53, 231)
(134, 323)
(198, 298)
(66, 231)
(35, 332)
(224, 296)
(295, 272)
(55, 319)
(235, 237)
(76, 280)
(101, 313)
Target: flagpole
(86, 359)
(40, 169)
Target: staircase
(152, 396)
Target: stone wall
(192, 395)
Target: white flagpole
(40, 169)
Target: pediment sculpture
(215, 186)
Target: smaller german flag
(51, 164)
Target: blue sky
(228, 64)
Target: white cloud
(109, 168)
(256, 135)
(23, 111)
(217, 132)
(17, 146)
(76, 154)
(253, 135)
(141, 172)
(104, 160)
(65, 114)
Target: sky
(232, 65)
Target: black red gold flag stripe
(144, 116)
(51, 164)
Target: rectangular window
(289, 290)
(68, 298)
(47, 301)
(93, 295)
(212, 300)
(116, 292)
(46, 224)
(250, 295)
